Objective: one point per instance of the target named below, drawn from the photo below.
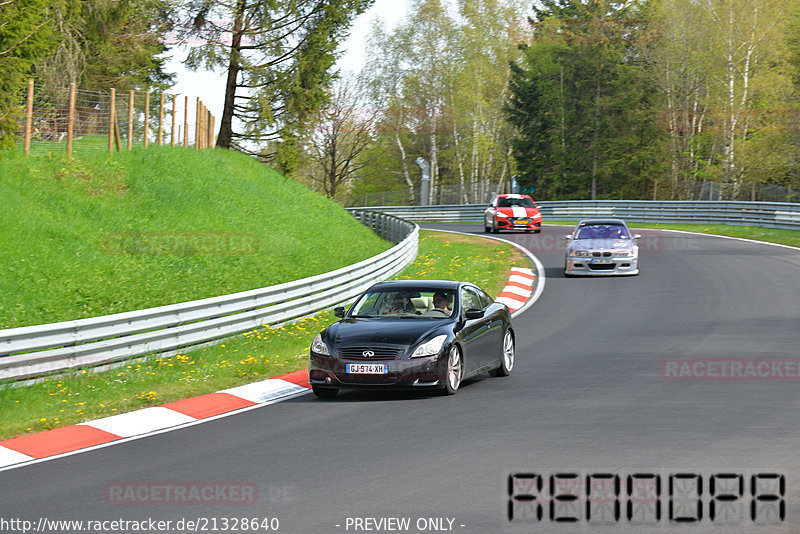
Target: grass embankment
(255, 355)
(757, 233)
(96, 235)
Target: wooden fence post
(29, 118)
(172, 138)
(210, 130)
(197, 125)
(146, 115)
(111, 115)
(70, 118)
(185, 121)
(130, 120)
(161, 121)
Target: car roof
(418, 284)
(584, 222)
(514, 195)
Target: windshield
(405, 303)
(602, 231)
(506, 202)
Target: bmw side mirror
(474, 313)
(568, 236)
(339, 311)
(637, 236)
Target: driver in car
(441, 302)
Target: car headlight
(579, 253)
(319, 346)
(502, 215)
(429, 348)
(624, 252)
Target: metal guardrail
(36, 350)
(767, 214)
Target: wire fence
(691, 190)
(68, 120)
(441, 194)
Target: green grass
(261, 353)
(770, 235)
(484, 262)
(96, 235)
(757, 233)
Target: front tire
(455, 370)
(494, 227)
(324, 393)
(509, 356)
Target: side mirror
(474, 313)
(568, 236)
(339, 311)
(637, 236)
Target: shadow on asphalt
(387, 395)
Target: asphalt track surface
(587, 395)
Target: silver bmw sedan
(601, 247)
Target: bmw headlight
(319, 346)
(429, 348)
(624, 252)
(579, 253)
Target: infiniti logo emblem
(368, 354)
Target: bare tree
(343, 130)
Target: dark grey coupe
(413, 334)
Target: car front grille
(601, 254)
(602, 266)
(379, 353)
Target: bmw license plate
(367, 368)
(521, 221)
(603, 262)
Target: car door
(475, 334)
(495, 324)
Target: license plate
(603, 262)
(367, 368)
(521, 221)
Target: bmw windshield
(405, 304)
(602, 231)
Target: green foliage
(96, 235)
(282, 53)
(26, 34)
(584, 113)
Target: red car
(512, 212)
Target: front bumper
(417, 373)
(590, 266)
(512, 223)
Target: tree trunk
(596, 140)
(225, 136)
(406, 176)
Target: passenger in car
(401, 304)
